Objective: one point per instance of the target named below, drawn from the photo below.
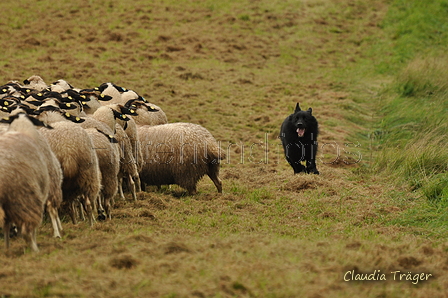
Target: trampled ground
(237, 68)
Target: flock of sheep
(78, 149)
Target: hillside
(237, 68)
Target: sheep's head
(34, 121)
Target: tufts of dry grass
(237, 68)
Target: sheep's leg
(132, 187)
(6, 232)
(120, 187)
(29, 234)
(101, 210)
(107, 208)
(58, 222)
(53, 212)
(138, 184)
(72, 211)
(213, 174)
(88, 206)
(34, 240)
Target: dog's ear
(297, 108)
(310, 110)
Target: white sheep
(107, 151)
(148, 113)
(128, 164)
(74, 149)
(24, 180)
(130, 128)
(179, 153)
(54, 169)
(124, 96)
(35, 82)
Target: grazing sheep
(130, 128)
(107, 151)
(128, 165)
(74, 150)
(148, 113)
(54, 169)
(124, 96)
(60, 85)
(111, 90)
(179, 153)
(24, 180)
(35, 82)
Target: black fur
(304, 147)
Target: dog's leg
(298, 167)
(311, 167)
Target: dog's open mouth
(300, 132)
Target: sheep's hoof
(14, 231)
(101, 215)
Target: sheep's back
(176, 151)
(24, 179)
(75, 152)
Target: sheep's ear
(102, 87)
(38, 96)
(52, 94)
(120, 116)
(5, 103)
(25, 90)
(142, 98)
(48, 108)
(110, 137)
(128, 111)
(151, 108)
(4, 90)
(27, 109)
(67, 106)
(37, 122)
(36, 102)
(120, 89)
(7, 119)
(72, 118)
(26, 82)
(104, 97)
(130, 103)
(88, 90)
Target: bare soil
(237, 68)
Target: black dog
(299, 138)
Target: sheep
(107, 151)
(24, 180)
(54, 168)
(35, 82)
(179, 153)
(128, 165)
(79, 162)
(123, 96)
(60, 85)
(130, 128)
(148, 113)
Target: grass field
(374, 73)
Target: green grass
(270, 233)
(412, 128)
